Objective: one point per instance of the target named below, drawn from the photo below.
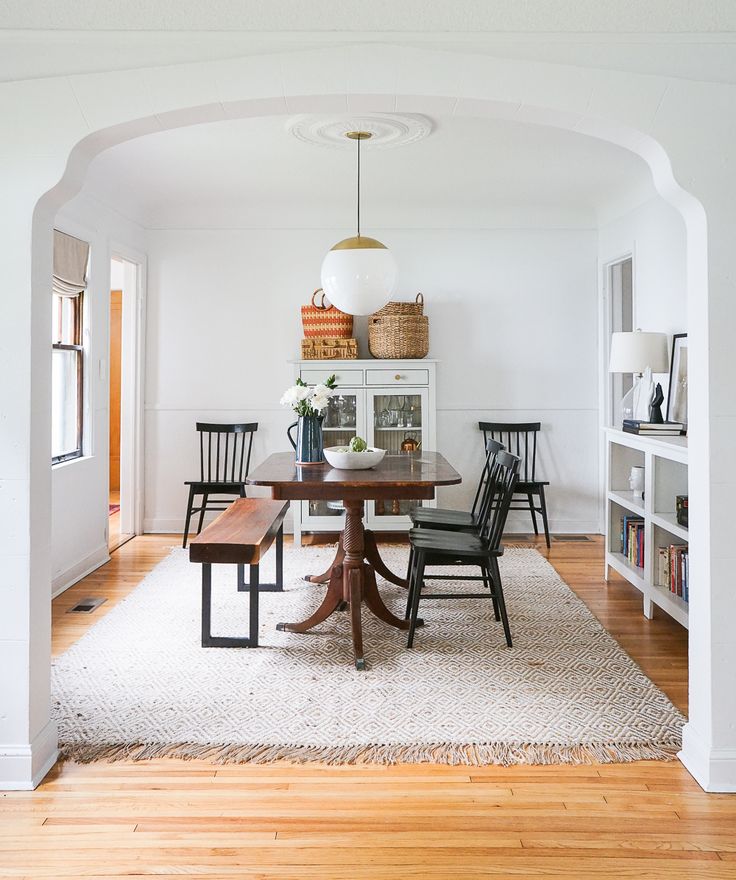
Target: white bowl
(353, 461)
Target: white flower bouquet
(307, 400)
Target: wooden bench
(240, 536)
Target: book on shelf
(632, 539)
(673, 570)
(663, 429)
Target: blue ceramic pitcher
(309, 442)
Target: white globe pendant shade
(359, 275)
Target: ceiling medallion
(386, 130)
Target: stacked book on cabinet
(673, 570)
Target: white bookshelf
(664, 460)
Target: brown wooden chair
(224, 461)
(520, 438)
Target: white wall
(513, 322)
(654, 233)
(79, 512)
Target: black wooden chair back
(520, 439)
(224, 451)
(503, 479)
(492, 447)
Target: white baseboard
(81, 569)
(175, 526)
(24, 766)
(713, 769)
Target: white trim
(24, 766)
(713, 769)
(132, 399)
(79, 570)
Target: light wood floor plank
(646, 820)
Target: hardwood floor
(168, 818)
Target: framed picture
(677, 392)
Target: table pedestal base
(351, 581)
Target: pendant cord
(358, 187)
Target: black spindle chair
(224, 462)
(431, 548)
(459, 520)
(520, 438)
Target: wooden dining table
(351, 578)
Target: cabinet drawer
(397, 377)
(343, 377)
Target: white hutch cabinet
(384, 402)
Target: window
(66, 377)
(71, 256)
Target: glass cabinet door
(344, 419)
(396, 423)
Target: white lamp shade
(635, 351)
(360, 280)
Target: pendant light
(359, 273)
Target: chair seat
(524, 488)
(443, 514)
(434, 541)
(214, 488)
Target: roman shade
(70, 264)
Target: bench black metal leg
(280, 559)
(210, 641)
(278, 586)
(254, 606)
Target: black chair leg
(190, 505)
(416, 593)
(498, 586)
(543, 511)
(202, 510)
(533, 512)
(409, 580)
(488, 583)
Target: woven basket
(399, 336)
(325, 320)
(329, 349)
(402, 308)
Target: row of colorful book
(673, 570)
(632, 539)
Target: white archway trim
(114, 107)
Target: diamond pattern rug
(139, 685)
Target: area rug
(139, 685)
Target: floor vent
(570, 538)
(87, 606)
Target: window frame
(78, 347)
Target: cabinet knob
(397, 376)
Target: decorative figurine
(655, 407)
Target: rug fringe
(477, 754)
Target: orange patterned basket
(326, 320)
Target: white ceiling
(692, 39)
(468, 172)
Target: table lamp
(642, 354)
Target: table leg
(331, 602)
(372, 555)
(374, 601)
(325, 576)
(355, 619)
